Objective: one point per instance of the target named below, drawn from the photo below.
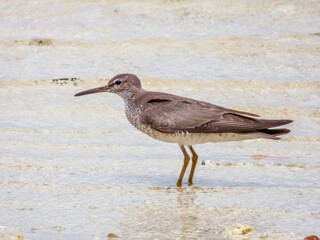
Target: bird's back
(172, 114)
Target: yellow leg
(185, 165)
(194, 164)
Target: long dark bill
(93, 90)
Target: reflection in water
(186, 196)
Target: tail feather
(274, 123)
(268, 133)
(275, 132)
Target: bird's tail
(275, 132)
(268, 133)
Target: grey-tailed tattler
(174, 119)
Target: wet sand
(74, 168)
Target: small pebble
(204, 162)
(239, 229)
(311, 237)
(112, 235)
(41, 42)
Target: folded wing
(171, 114)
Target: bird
(186, 121)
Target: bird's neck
(131, 107)
(130, 97)
(127, 97)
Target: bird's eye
(117, 82)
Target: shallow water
(74, 168)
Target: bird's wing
(236, 123)
(169, 113)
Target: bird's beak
(93, 90)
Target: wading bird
(174, 119)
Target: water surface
(74, 168)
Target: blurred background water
(74, 168)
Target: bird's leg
(185, 165)
(194, 164)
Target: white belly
(198, 138)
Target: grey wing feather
(169, 117)
(169, 113)
(231, 122)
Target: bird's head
(120, 84)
